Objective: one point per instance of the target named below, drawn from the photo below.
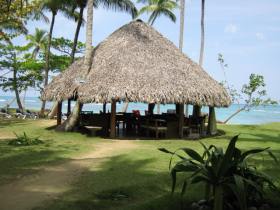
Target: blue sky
(246, 32)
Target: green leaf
(223, 167)
(240, 192)
(193, 154)
(273, 156)
(184, 187)
(251, 152)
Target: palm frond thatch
(136, 63)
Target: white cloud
(260, 36)
(231, 28)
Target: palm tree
(37, 41)
(53, 6)
(182, 20)
(158, 8)
(120, 5)
(197, 109)
(202, 33)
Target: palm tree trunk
(88, 52)
(181, 35)
(79, 24)
(73, 119)
(47, 66)
(235, 113)
(212, 124)
(202, 33)
(182, 20)
(197, 109)
(73, 52)
(20, 107)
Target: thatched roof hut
(136, 63)
(64, 86)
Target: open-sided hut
(137, 64)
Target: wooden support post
(59, 113)
(113, 120)
(212, 124)
(104, 108)
(181, 120)
(69, 108)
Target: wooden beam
(180, 110)
(104, 108)
(113, 120)
(69, 107)
(59, 113)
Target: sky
(246, 32)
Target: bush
(24, 140)
(231, 183)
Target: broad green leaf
(251, 152)
(193, 154)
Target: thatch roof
(64, 85)
(136, 63)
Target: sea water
(257, 115)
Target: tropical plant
(53, 6)
(14, 15)
(231, 181)
(20, 71)
(37, 41)
(158, 8)
(25, 140)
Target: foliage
(14, 15)
(16, 60)
(65, 46)
(158, 8)
(253, 94)
(24, 140)
(232, 182)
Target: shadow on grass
(9, 122)
(124, 184)
(119, 183)
(19, 161)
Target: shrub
(24, 140)
(231, 183)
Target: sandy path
(51, 181)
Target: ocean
(257, 115)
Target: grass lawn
(137, 179)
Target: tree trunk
(88, 53)
(47, 66)
(235, 113)
(73, 119)
(53, 111)
(201, 56)
(158, 108)
(212, 124)
(73, 52)
(182, 20)
(125, 107)
(20, 107)
(79, 24)
(197, 109)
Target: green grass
(138, 179)
(17, 161)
